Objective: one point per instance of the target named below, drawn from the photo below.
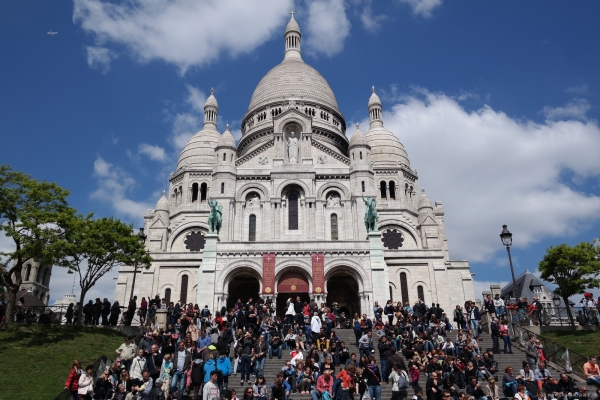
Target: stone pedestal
(161, 318)
(207, 272)
(379, 271)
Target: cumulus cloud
(182, 32)
(371, 23)
(490, 169)
(576, 109)
(99, 57)
(114, 185)
(422, 8)
(328, 26)
(155, 153)
(579, 89)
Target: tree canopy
(34, 215)
(573, 269)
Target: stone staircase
(273, 366)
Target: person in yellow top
(591, 372)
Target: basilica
(292, 196)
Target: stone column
(161, 318)
(207, 272)
(379, 269)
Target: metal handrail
(567, 360)
(552, 316)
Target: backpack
(402, 381)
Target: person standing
(211, 390)
(399, 379)
(495, 331)
(182, 360)
(127, 351)
(458, 316)
(72, 383)
(86, 383)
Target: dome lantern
(375, 109)
(211, 110)
(292, 38)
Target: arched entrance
(243, 286)
(343, 289)
(292, 284)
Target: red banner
(318, 272)
(292, 282)
(268, 275)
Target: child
(165, 373)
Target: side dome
(199, 151)
(358, 138)
(424, 202)
(293, 79)
(227, 139)
(163, 203)
(386, 149)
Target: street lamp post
(142, 239)
(506, 237)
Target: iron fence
(552, 316)
(58, 315)
(563, 358)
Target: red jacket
(72, 382)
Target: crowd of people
(198, 352)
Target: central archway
(343, 289)
(292, 284)
(243, 286)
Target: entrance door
(343, 289)
(292, 284)
(243, 286)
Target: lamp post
(142, 239)
(556, 300)
(506, 237)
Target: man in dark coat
(495, 330)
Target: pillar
(207, 272)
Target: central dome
(293, 79)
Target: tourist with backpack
(399, 379)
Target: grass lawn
(35, 360)
(586, 343)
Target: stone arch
(294, 265)
(426, 291)
(291, 117)
(351, 267)
(164, 288)
(200, 226)
(395, 223)
(249, 187)
(346, 287)
(333, 186)
(235, 268)
(290, 182)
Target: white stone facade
(302, 201)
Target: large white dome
(293, 79)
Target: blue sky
(496, 103)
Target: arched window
(224, 156)
(45, 279)
(293, 211)
(167, 296)
(184, 288)
(392, 190)
(360, 154)
(180, 194)
(203, 190)
(252, 228)
(404, 288)
(391, 297)
(334, 227)
(194, 192)
(28, 273)
(421, 293)
(222, 187)
(362, 183)
(382, 189)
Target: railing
(557, 354)
(552, 316)
(58, 315)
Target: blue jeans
(384, 378)
(507, 343)
(474, 325)
(260, 366)
(315, 394)
(178, 381)
(245, 365)
(593, 381)
(276, 350)
(375, 392)
(429, 346)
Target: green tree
(572, 270)
(34, 216)
(95, 246)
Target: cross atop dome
(292, 13)
(212, 90)
(372, 89)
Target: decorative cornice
(255, 152)
(330, 152)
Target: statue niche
(292, 135)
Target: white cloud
(196, 98)
(371, 23)
(328, 27)
(114, 184)
(422, 8)
(580, 89)
(575, 109)
(183, 32)
(155, 153)
(490, 169)
(61, 283)
(99, 57)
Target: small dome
(163, 203)
(292, 26)
(358, 138)
(211, 100)
(386, 149)
(374, 99)
(424, 202)
(227, 139)
(199, 151)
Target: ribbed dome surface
(199, 151)
(424, 201)
(292, 26)
(293, 79)
(358, 138)
(163, 203)
(227, 139)
(386, 149)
